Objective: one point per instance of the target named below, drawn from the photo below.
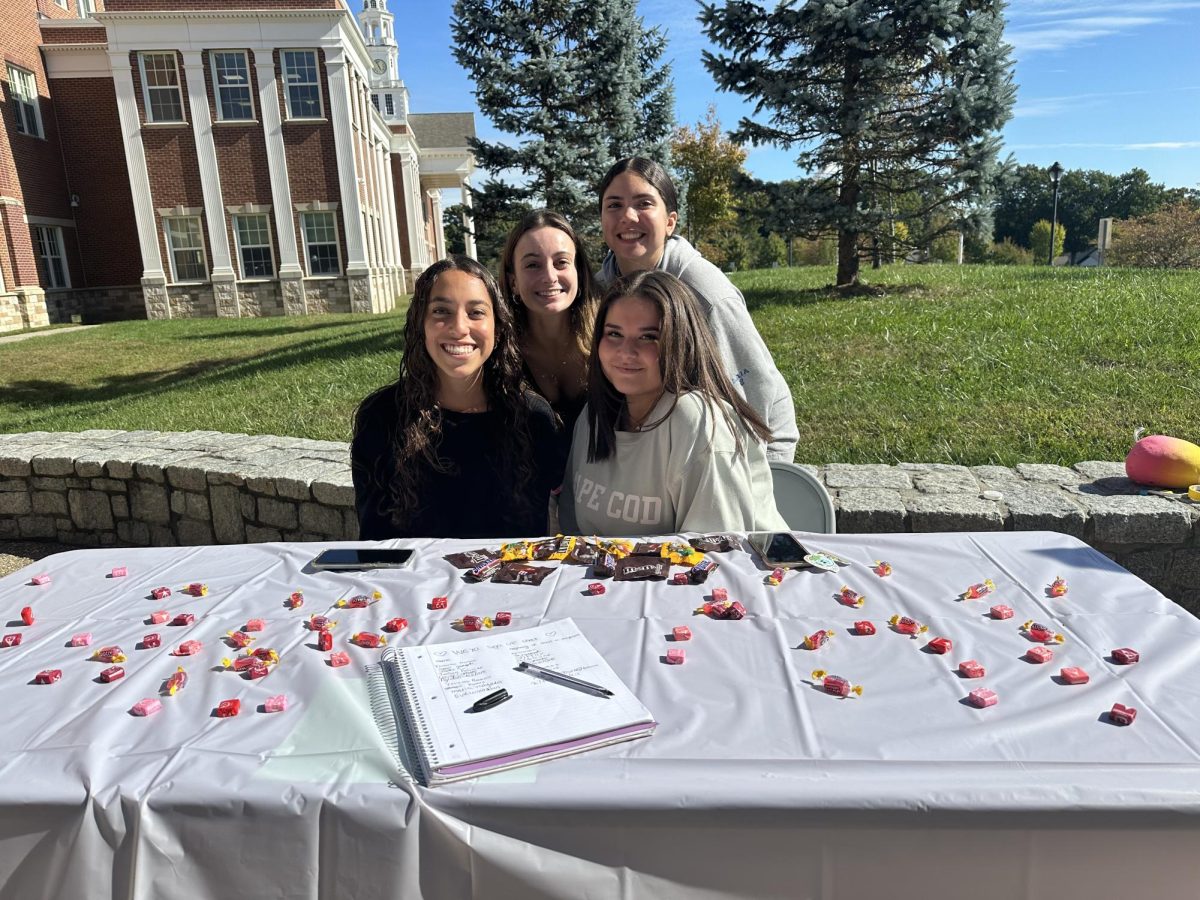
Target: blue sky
(1101, 85)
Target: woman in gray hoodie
(638, 214)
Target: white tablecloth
(756, 784)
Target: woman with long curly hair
(548, 282)
(667, 444)
(456, 447)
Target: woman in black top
(456, 447)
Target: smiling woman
(456, 447)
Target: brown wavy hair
(688, 361)
(582, 314)
(419, 416)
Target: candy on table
(698, 574)
(1058, 587)
(969, 668)
(47, 676)
(11, 640)
(439, 602)
(982, 697)
(720, 595)
(358, 601)
(265, 655)
(396, 624)
(1122, 715)
(776, 577)
(1039, 654)
(83, 639)
(147, 707)
(324, 640)
(257, 669)
(111, 674)
(27, 615)
(160, 593)
(905, 625)
(502, 618)
(836, 684)
(151, 640)
(241, 663)
(158, 617)
(864, 627)
(183, 619)
(1125, 656)
(320, 623)
(1045, 634)
(735, 611)
(847, 596)
(176, 682)
(254, 625)
(228, 708)
(484, 570)
(119, 572)
(239, 639)
(40, 579)
(196, 589)
(1000, 611)
(941, 645)
(112, 654)
(881, 568)
(1074, 675)
(596, 588)
(681, 633)
(982, 589)
(676, 656)
(296, 600)
(677, 578)
(369, 639)
(817, 639)
(278, 703)
(474, 623)
(189, 648)
(339, 659)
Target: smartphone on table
(779, 549)
(351, 558)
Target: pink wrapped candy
(151, 640)
(189, 648)
(720, 595)
(40, 579)
(278, 703)
(255, 625)
(596, 588)
(339, 659)
(969, 668)
(676, 656)
(1001, 611)
(1039, 654)
(147, 707)
(982, 697)
(1074, 675)
(47, 676)
(159, 617)
(83, 639)
(160, 593)
(119, 572)
(681, 633)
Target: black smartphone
(363, 558)
(779, 548)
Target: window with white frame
(253, 233)
(303, 80)
(321, 243)
(231, 80)
(161, 89)
(185, 247)
(48, 244)
(22, 88)
(375, 101)
(389, 104)
(86, 8)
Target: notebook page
(449, 678)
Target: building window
(375, 101)
(253, 235)
(302, 78)
(321, 243)
(231, 77)
(86, 8)
(52, 262)
(22, 87)
(185, 246)
(389, 104)
(160, 83)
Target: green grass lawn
(950, 364)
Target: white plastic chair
(802, 500)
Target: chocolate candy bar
(698, 574)
(520, 573)
(469, 559)
(641, 568)
(715, 543)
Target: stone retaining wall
(110, 488)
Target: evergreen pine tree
(883, 98)
(578, 83)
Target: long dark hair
(582, 314)
(419, 416)
(687, 359)
(653, 173)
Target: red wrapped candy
(941, 645)
(720, 595)
(160, 593)
(255, 625)
(776, 577)
(159, 617)
(228, 708)
(396, 624)
(847, 596)
(1039, 654)
(112, 673)
(836, 684)
(239, 639)
(596, 588)
(438, 602)
(339, 659)
(864, 627)
(1125, 656)
(1000, 611)
(1122, 715)
(296, 600)
(982, 697)
(681, 633)
(183, 619)
(47, 676)
(1074, 675)
(970, 669)
(905, 625)
(27, 615)
(817, 639)
(368, 639)
(189, 648)
(10, 640)
(176, 682)
(324, 640)
(676, 656)
(503, 618)
(151, 640)
(320, 623)
(1044, 634)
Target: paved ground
(26, 335)
(18, 554)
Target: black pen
(494, 699)
(566, 680)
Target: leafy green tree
(883, 99)
(1168, 238)
(1039, 239)
(452, 224)
(707, 164)
(577, 83)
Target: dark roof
(442, 129)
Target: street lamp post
(1056, 172)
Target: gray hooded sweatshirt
(746, 357)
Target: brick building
(164, 158)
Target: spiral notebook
(433, 687)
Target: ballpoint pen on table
(565, 680)
(493, 699)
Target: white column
(343, 138)
(135, 161)
(439, 227)
(394, 225)
(468, 220)
(281, 191)
(210, 175)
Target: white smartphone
(349, 558)
(779, 549)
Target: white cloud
(1097, 145)
(1045, 25)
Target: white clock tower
(388, 92)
